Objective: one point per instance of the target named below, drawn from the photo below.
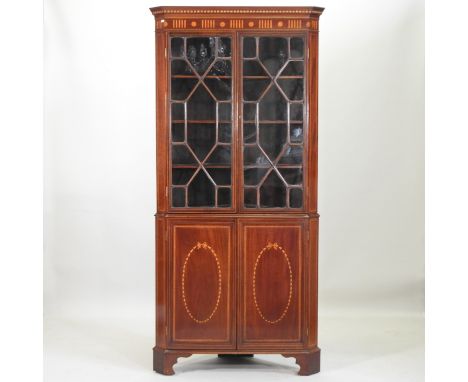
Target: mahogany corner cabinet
(236, 221)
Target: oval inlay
(191, 253)
(273, 249)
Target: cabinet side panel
(312, 277)
(313, 121)
(161, 122)
(161, 282)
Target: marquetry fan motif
(201, 121)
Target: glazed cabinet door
(271, 291)
(201, 290)
(201, 122)
(274, 124)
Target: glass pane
(201, 191)
(250, 49)
(178, 111)
(295, 111)
(220, 88)
(182, 155)
(201, 52)
(224, 111)
(178, 197)
(182, 87)
(293, 68)
(295, 198)
(293, 88)
(250, 111)
(272, 137)
(201, 138)
(296, 133)
(221, 176)
(220, 156)
(254, 157)
(224, 48)
(273, 121)
(250, 197)
(273, 106)
(253, 68)
(221, 68)
(292, 176)
(224, 132)
(292, 155)
(201, 105)
(250, 133)
(254, 88)
(181, 176)
(273, 192)
(224, 197)
(297, 47)
(178, 132)
(201, 127)
(180, 67)
(253, 176)
(177, 47)
(273, 53)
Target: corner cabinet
(236, 221)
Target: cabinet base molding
(165, 359)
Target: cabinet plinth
(236, 221)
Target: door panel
(201, 131)
(273, 99)
(203, 305)
(271, 273)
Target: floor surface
(371, 348)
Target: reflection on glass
(296, 133)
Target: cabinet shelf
(267, 77)
(193, 76)
(195, 166)
(192, 121)
(272, 122)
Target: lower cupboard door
(201, 291)
(271, 293)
